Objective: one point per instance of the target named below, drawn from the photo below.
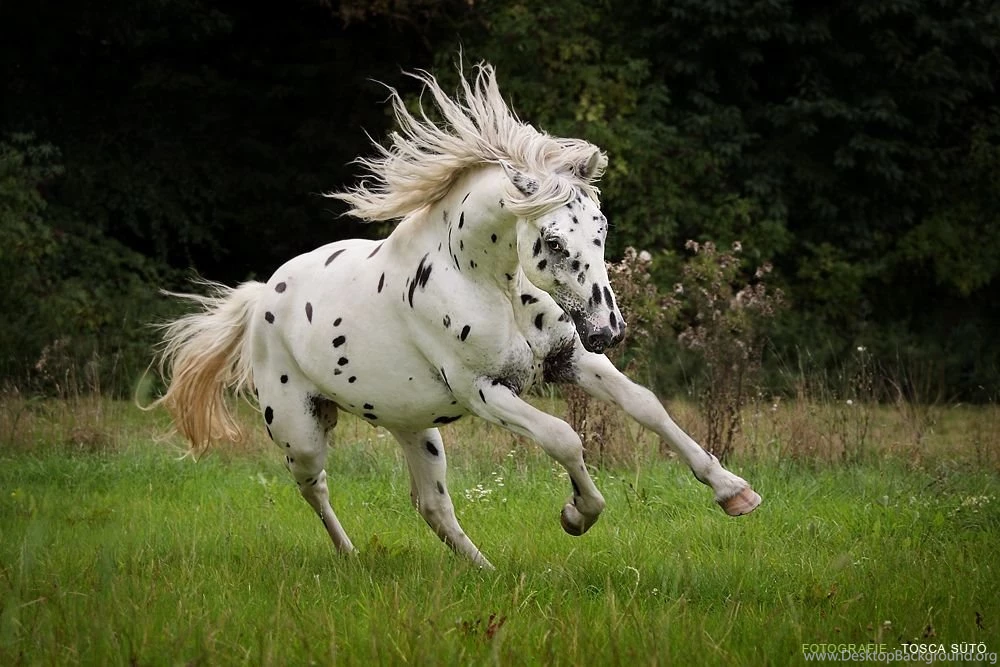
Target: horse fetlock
(590, 506)
(726, 484)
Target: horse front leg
(596, 375)
(498, 404)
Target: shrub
(725, 316)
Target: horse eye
(554, 244)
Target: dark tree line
(855, 145)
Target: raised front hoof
(744, 502)
(572, 521)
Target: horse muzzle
(598, 340)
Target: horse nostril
(601, 340)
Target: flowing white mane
(425, 158)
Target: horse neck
(479, 233)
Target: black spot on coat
(333, 257)
(447, 420)
(558, 364)
(421, 277)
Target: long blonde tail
(203, 355)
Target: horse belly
(383, 382)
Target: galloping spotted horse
(493, 280)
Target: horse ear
(589, 168)
(526, 185)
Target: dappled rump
(424, 158)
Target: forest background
(853, 146)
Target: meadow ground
(114, 551)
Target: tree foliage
(73, 299)
(854, 145)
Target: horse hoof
(572, 521)
(744, 502)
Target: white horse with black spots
(493, 280)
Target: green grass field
(113, 551)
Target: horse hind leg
(298, 423)
(425, 457)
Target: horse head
(561, 251)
